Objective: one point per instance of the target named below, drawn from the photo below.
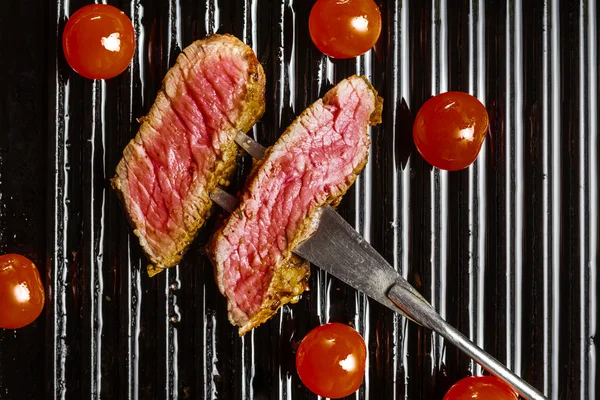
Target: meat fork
(336, 247)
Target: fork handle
(425, 314)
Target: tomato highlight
(21, 291)
(344, 29)
(99, 41)
(331, 360)
(450, 129)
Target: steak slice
(184, 147)
(312, 164)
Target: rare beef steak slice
(312, 164)
(184, 147)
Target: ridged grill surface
(507, 250)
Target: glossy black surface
(507, 250)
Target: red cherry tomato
(449, 130)
(344, 29)
(331, 360)
(98, 41)
(482, 388)
(21, 291)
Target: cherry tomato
(21, 291)
(98, 41)
(344, 28)
(449, 130)
(482, 388)
(331, 360)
